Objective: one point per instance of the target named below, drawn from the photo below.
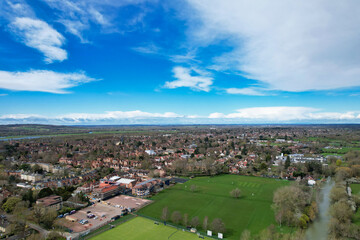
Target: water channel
(319, 229)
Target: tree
(45, 192)
(28, 196)
(218, 225)
(18, 227)
(10, 204)
(289, 202)
(48, 217)
(21, 209)
(338, 162)
(195, 222)
(236, 193)
(245, 235)
(34, 236)
(176, 217)
(337, 193)
(287, 162)
(205, 223)
(165, 214)
(186, 219)
(54, 236)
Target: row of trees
(294, 205)
(217, 225)
(342, 210)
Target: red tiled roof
(110, 188)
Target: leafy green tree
(45, 192)
(287, 162)
(10, 204)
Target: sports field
(143, 228)
(252, 211)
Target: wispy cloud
(38, 34)
(284, 45)
(246, 91)
(185, 77)
(150, 48)
(79, 16)
(42, 81)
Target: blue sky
(189, 61)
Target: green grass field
(355, 189)
(143, 228)
(341, 151)
(252, 211)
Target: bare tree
(205, 223)
(176, 217)
(186, 219)
(165, 214)
(245, 235)
(236, 193)
(195, 222)
(218, 225)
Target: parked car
(83, 221)
(60, 216)
(66, 214)
(72, 212)
(115, 217)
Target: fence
(103, 227)
(178, 227)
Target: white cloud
(78, 16)
(150, 48)
(280, 114)
(42, 81)
(41, 36)
(184, 78)
(245, 91)
(113, 115)
(245, 115)
(285, 45)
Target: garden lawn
(212, 198)
(143, 228)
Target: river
(319, 229)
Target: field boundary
(102, 228)
(178, 227)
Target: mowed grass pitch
(145, 229)
(212, 198)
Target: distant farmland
(211, 198)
